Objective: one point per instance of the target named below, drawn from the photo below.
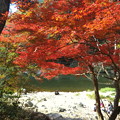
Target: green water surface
(69, 83)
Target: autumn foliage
(86, 31)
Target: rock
(39, 116)
(77, 119)
(55, 116)
(81, 105)
(29, 104)
(43, 106)
(35, 108)
(25, 91)
(44, 99)
(57, 93)
(62, 110)
(75, 107)
(96, 117)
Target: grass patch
(89, 90)
(107, 97)
(107, 89)
(77, 94)
(91, 95)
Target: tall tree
(85, 31)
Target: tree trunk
(4, 7)
(97, 96)
(116, 110)
(115, 113)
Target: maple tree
(82, 30)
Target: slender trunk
(4, 7)
(116, 110)
(117, 96)
(97, 96)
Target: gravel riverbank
(65, 106)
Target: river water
(70, 83)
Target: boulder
(38, 116)
(55, 116)
(62, 109)
(29, 104)
(57, 93)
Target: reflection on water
(69, 83)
